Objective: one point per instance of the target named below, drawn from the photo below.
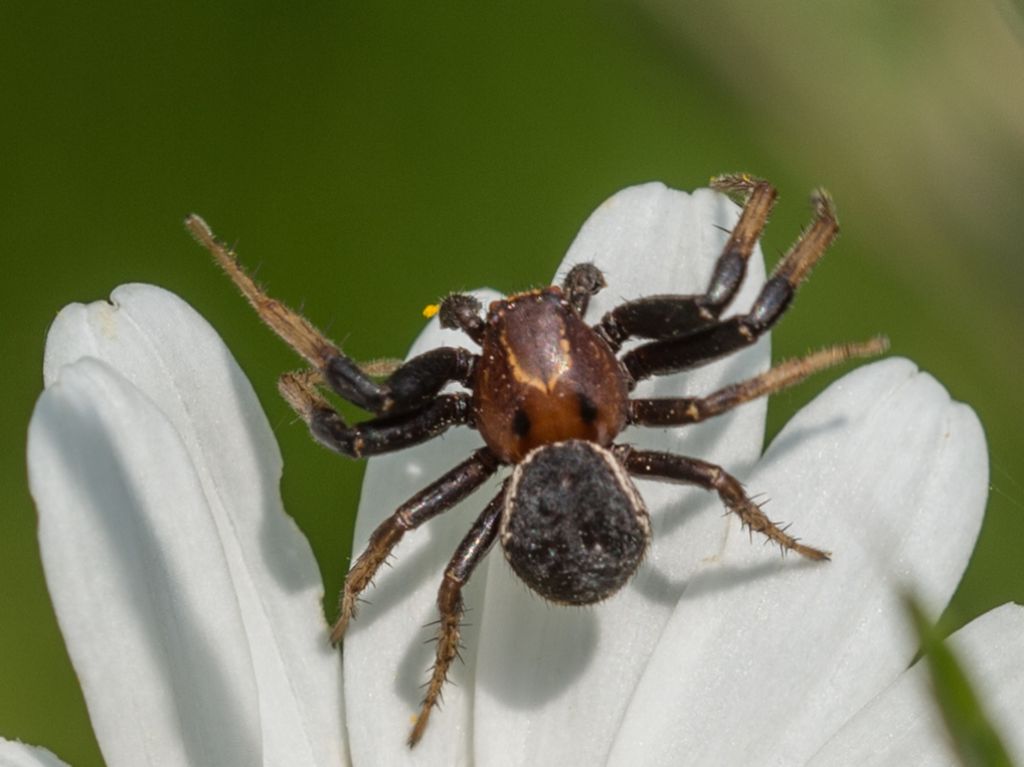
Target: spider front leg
(378, 435)
(716, 340)
(467, 556)
(438, 497)
(661, 317)
(677, 468)
(409, 387)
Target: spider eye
(574, 527)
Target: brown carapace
(549, 394)
(545, 376)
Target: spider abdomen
(573, 527)
(545, 376)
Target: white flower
(191, 604)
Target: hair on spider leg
(438, 622)
(427, 684)
(550, 395)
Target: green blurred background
(371, 157)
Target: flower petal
(172, 355)
(765, 658)
(903, 725)
(553, 683)
(387, 653)
(138, 577)
(15, 754)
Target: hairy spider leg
(411, 386)
(470, 552)
(677, 411)
(438, 497)
(662, 317)
(692, 471)
(716, 340)
(377, 435)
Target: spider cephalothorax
(549, 394)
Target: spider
(549, 394)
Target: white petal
(386, 652)
(765, 658)
(167, 350)
(903, 725)
(553, 682)
(14, 754)
(138, 577)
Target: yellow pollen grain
(430, 310)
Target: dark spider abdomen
(574, 527)
(545, 376)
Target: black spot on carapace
(588, 410)
(521, 423)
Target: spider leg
(438, 497)
(408, 387)
(663, 317)
(377, 435)
(461, 311)
(583, 281)
(467, 556)
(683, 410)
(677, 468)
(708, 343)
